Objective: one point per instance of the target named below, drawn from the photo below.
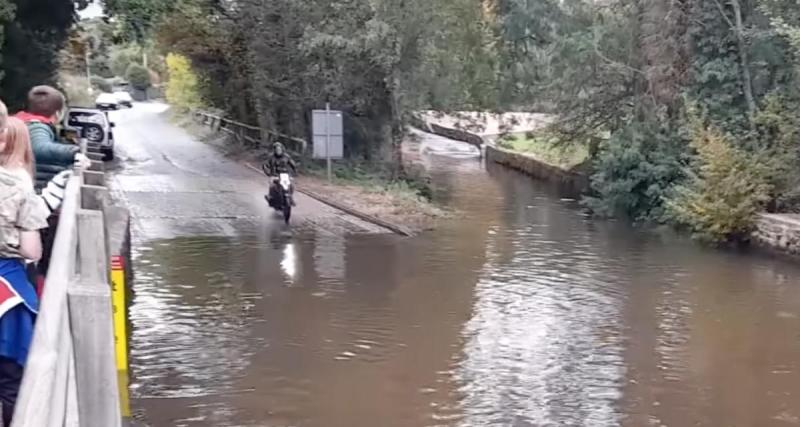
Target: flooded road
(521, 312)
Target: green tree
(138, 18)
(138, 76)
(121, 58)
(32, 41)
(217, 47)
(6, 15)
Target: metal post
(328, 139)
(88, 70)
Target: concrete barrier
(456, 134)
(72, 375)
(778, 232)
(572, 181)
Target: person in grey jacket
(45, 104)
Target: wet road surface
(521, 312)
(177, 186)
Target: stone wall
(457, 134)
(570, 180)
(779, 232)
(448, 132)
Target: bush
(122, 57)
(183, 87)
(633, 171)
(778, 133)
(138, 76)
(725, 190)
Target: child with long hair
(17, 154)
(22, 214)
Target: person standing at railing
(22, 214)
(45, 106)
(51, 157)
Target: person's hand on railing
(53, 192)
(82, 162)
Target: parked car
(95, 126)
(124, 98)
(107, 101)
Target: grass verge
(371, 190)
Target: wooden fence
(248, 134)
(71, 376)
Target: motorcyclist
(279, 162)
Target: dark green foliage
(138, 76)
(778, 127)
(138, 18)
(716, 86)
(6, 15)
(32, 42)
(271, 62)
(635, 170)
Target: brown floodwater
(520, 312)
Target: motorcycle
(283, 200)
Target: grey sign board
(328, 134)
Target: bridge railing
(71, 376)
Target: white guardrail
(72, 375)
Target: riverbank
(401, 206)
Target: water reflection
(543, 345)
(288, 262)
(329, 253)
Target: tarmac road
(175, 185)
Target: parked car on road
(94, 125)
(107, 101)
(124, 99)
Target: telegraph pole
(88, 69)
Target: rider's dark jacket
(277, 165)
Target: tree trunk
(747, 80)
(266, 119)
(665, 49)
(397, 134)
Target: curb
(397, 229)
